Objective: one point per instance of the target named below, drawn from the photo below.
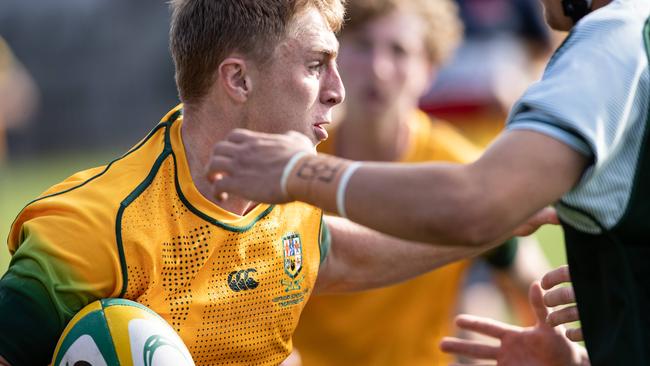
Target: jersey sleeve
(588, 88)
(325, 241)
(60, 262)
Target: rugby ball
(112, 332)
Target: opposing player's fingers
(239, 135)
(463, 347)
(547, 215)
(542, 217)
(224, 184)
(226, 148)
(563, 316)
(559, 296)
(575, 334)
(219, 166)
(556, 277)
(536, 297)
(490, 327)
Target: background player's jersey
(232, 286)
(397, 325)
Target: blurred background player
(390, 52)
(504, 49)
(18, 94)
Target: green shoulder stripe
(151, 134)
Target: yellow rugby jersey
(401, 324)
(232, 286)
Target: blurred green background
(24, 179)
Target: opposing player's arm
(521, 173)
(360, 258)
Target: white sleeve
(586, 97)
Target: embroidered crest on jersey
(292, 254)
(292, 260)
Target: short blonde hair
(443, 26)
(204, 32)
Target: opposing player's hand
(250, 164)
(561, 296)
(538, 345)
(547, 215)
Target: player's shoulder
(298, 211)
(436, 139)
(608, 42)
(86, 203)
(616, 24)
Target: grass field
(23, 180)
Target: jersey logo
(242, 280)
(292, 254)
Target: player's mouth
(319, 130)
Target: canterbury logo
(242, 280)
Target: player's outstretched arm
(562, 296)
(521, 173)
(539, 345)
(360, 258)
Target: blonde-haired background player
(390, 53)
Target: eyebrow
(328, 52)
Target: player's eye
(398, 50)
(316, 66)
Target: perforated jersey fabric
(232, 286)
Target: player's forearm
(361, 258)
(423, 202)
(444, 203)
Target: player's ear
(235, 78)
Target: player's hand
(561, 296)
(538, 345)
(250, 164)
(547, 215)
(4, 362)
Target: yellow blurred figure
(390, 52)
(17, 94)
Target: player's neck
(599, 4)
(383, 139)
(200, 132)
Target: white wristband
(343, 185)
(287, 170)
